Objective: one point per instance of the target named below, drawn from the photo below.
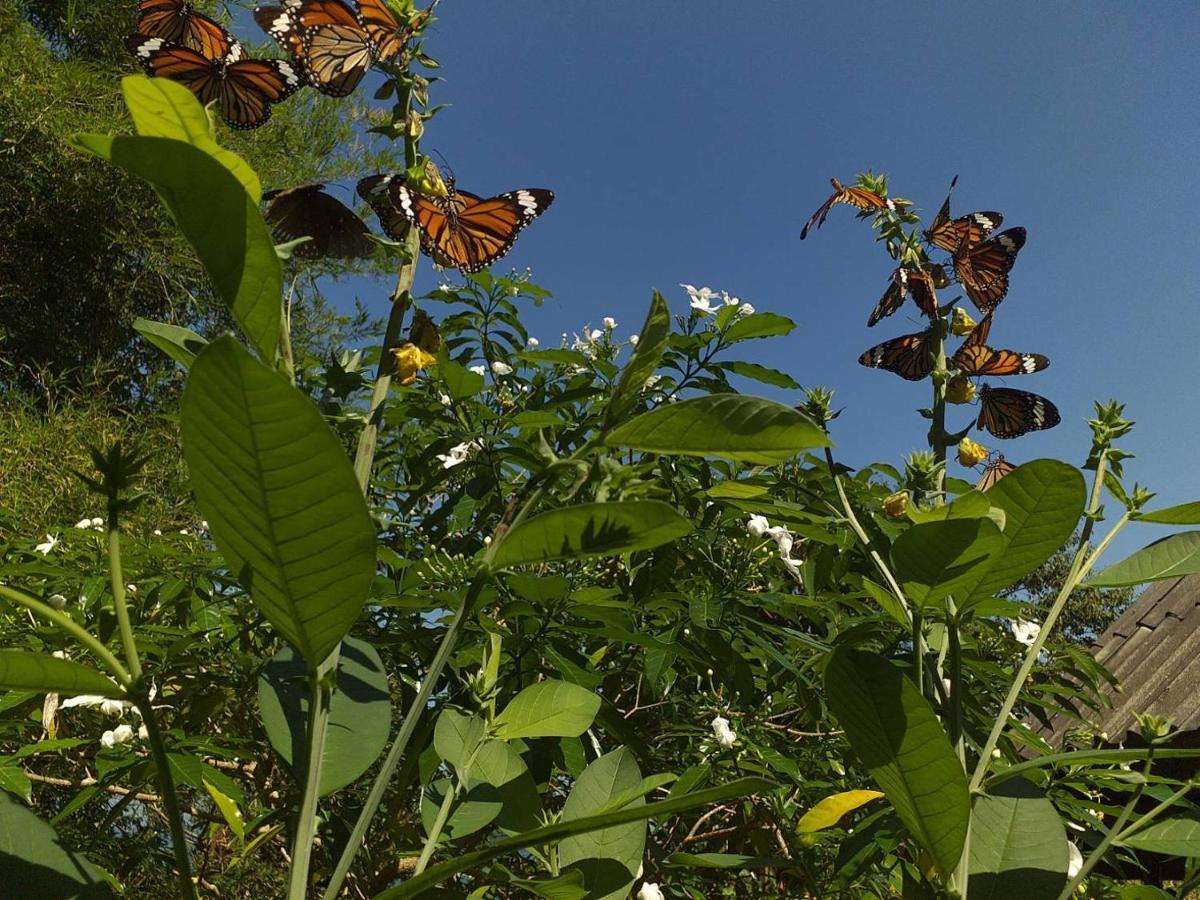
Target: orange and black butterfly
(243, 89)
(389, 36)
(974, 357)
(982, 269)
(326, 39)
(424, 333)
(993, 472)
(1009, 413)
(949, 234)
(905, 281)
(910, 356)
(460, 229)
(307, 211)
(179, 23)
(859, 198)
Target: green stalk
(119, 605)
(320, 687)
(937, 430)
(166, 789)
(443, 815)
(73, 628)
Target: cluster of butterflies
(331, 46)
(981, 261)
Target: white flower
(444, 399)
(98, 523)
(204, 524)
(143, 732)
(59, 654)
(725, 737)
(158, 532)
(757, 526)
(650, 891)
(633, 339)
(610, 323)
(120, 735)
(1025, 632)
(745, 310)
(531, 343)
(501, 368)
(782, 538)
(58, 601)
(709, 673)
(83, 524)
(704, 306)
(487, 541)
(47, 545)
(478, 370)
(595, 334)
(794, 569)
(132, 588)
(456, 454)
(652, 380)
(1074, 860)
(183, 531)
(700, 298)
(113, 707)
(729, 300)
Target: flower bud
(961, 323)
(971, 453)
(960, 389)
(895, 506)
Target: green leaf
(1083, 758)
(1183, 514)
(652, 341)
(548, 834)
(737, 490)
(759, 325)
(564, 887)
(284, 506)
(34, 862)
(14, 780)
(548, 709)
(763, 374)
(181, 344)
(21, 670)
(220, 220)
(886, 601)
(163, 108)
(1170, 557)
(360, 713)
(456, 736)
(1018, 845)
(1042, 502)
(724, 861)
(475, 809)
(899, 739)
(971, 505)
(750, 429)
(502, 767)
(609, 858)
(935, 559)
(833, 808)
(591, 529)
(229, 810)
(1176, 836)
(461, 382)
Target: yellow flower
(960, 389)
(961, 324)
(411, 359)
(970, 453)
(895, 506)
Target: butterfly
(424, 332)
(244, 89)
(982, 269)
(388, 35)
(974, 357)
(949, 234)
(908, 356)
(179, 23)
(1009, 413)
(993, 472)
(906, 281)
(460, 229)
(325, 38)
(307, 211)
(859, 198)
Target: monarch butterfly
(993, 472)
(949, 234)
(243, 89)
(179, 23)
(859, 198)
(1009, 413)
(982, 269)
(325, 38)
(908, 356)
(307, 211)
(424, 333)
(906, 281)
(974, 357)
(460, 229)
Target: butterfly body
(860, 198)
(993, 472)
(949, 234)
(905, 281)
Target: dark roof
(1153, 651)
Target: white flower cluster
(47, 545)
(726, 738)
(108, 706)
(701, 300)
(96, 524)
(650, 891)
(759, 527)
(457, 454)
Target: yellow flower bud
(961, 324)
(970, 453)
(411, 359)
(895, 506)
(960, 389)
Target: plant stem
(937, 430)
(170, 801)
(1142, 821)
(443, 815)
(119, 605)
(320, 696)
(73, 628)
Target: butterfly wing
(995, 470)
(971, 229)
(325, 39)
(375, 189)
(892, 299)
(388, 35)
(1009, 413)
(908, 356)
(163, 59)
(859, 198)
(307, 211)
(983, 360)
(177, 22)
(920, 285)
(982, 269)
(424, 333)
(250, 87)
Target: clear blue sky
(689, 141)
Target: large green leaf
(758, 325)
(1177, 836)
(750, 429)
(181, 344)
(21, 670)
(34, 865)
(548, 834)
(760, 373)
(456, 736)
(477, 808)
(285, 508)
(935, 559)
(219, 219)
(591, 529)
(360, 714)
(164, 108)
(900, 741)
(1170, 557)
(548, 709)
(1018, 845)
(1183, 514)
(1042, 502)
(652, 341)
(499, 765)
(609, 858)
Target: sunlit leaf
(1018, 844)
(652, 341)
(1183, 514)
(548, 709)
(181, 344)
(935, 559)
(833, 809)
(21, 670)
(1174, 836)
(1170, 557)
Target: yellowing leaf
(829, 811)
(229, 809)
